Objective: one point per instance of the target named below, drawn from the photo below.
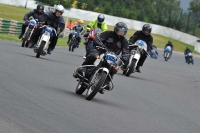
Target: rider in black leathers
(55, 20)
(144, 35)
(115, 41)
(36, 14)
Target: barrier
(10, 27)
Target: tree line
(162, 12)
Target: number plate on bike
(111, 58)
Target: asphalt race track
(38, 95)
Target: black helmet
(146, 27)
(169, 42)
(40, 6)
(121, 27)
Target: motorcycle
(154, 53)
(32, 25)
(136, 50)
(189, 58)
(73, 43)
(92, 77)
(45, 38)
(89, 45)
(167, 53)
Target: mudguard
(137, 56)
(45, 38)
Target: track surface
(38, 96)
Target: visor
(100, 20)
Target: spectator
(69, 24)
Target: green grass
(17, 13)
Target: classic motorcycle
(154, 53)
(136, 50)
(167, 53)
(89, 44)
(45, 38)
(73, 43)
(189, 58)
(92, 77)
(32, 25)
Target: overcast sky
(185, 4)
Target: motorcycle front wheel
(39, 52)
(94, 88)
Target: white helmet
(59, 8)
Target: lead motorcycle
(45, 39)
(92, 77)
(136, 50)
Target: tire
(73, 47)
(80, 89)
(39, 52)
(69, 47)
(124, 72)
(24, 43)
(131, 68)
(101, 78)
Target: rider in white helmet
(55, 20)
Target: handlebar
(44, 26)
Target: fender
(137, 56)
(103, 69)
(130, 60)
(45, 38)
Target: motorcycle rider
(98, 23)
(79, 28)
(187, 50)
(144, 35)
(172, 47)
(37, 13)
(115, 41)
(55, 20)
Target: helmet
(40, 6)
(121, 29)
(100, 18)
(59, 8)
(80, 21)
(169, 42)
(146, 27)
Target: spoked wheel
(24, 43)
(98, 82)
(131, 68)
(39, 52)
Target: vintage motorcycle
(45, 38)
(89, 44)
(189, 58)
(136, 50)
(167, 53)
(32, 25)
(73, 43)
(93, 77)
